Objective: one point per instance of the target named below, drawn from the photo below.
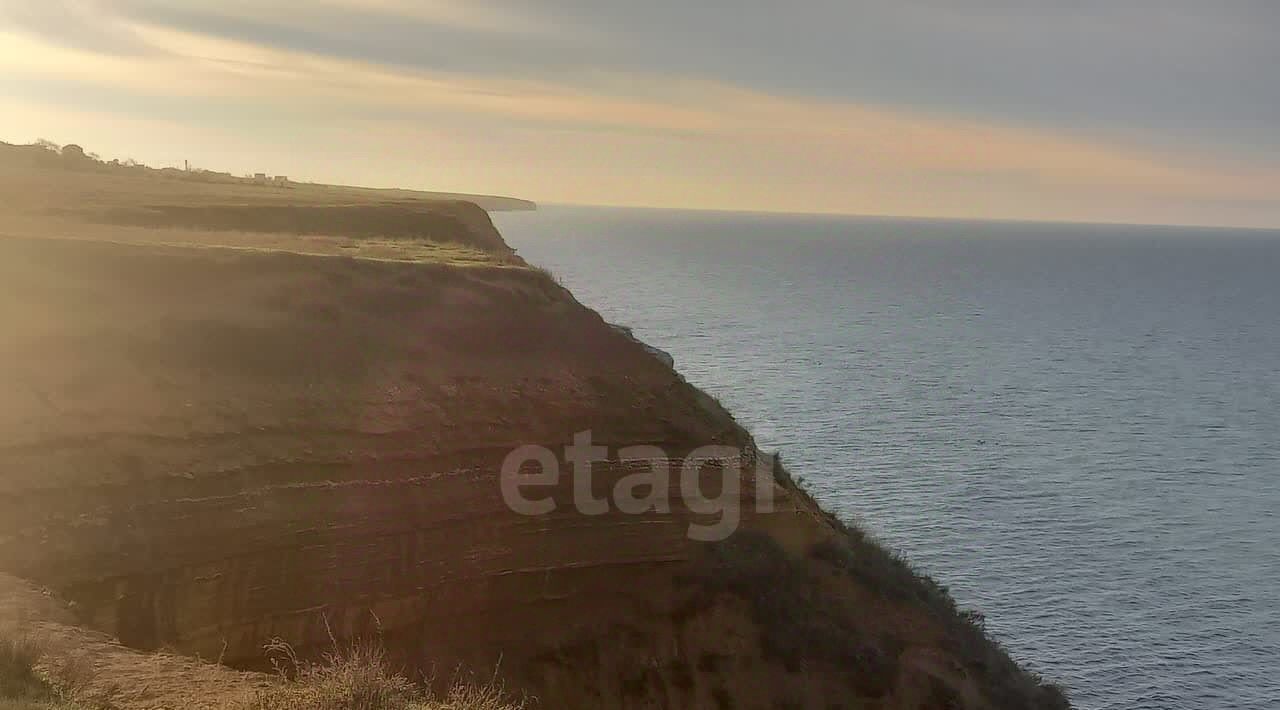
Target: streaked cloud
(82, 24)
(678, 130)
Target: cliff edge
(227, 421)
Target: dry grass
(93, 201)
(231, 187)
(21, 687)
(18, 677)
(359, 678)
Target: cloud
(81, 24)
(468, 15)
(613, 134)
(1177, 71)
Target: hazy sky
(1114, 110)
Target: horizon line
(917, 218)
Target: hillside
(231, 188)
(237, 416)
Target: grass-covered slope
(214, 440)
(49, 196)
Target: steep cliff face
(442, 221)
(140, 205)
(202, 449)
(268, 414)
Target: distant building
(260, 178)
(281, 180)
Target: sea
(1076, 428)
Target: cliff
(218, 429)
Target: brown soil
(202, 449)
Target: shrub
(892, 576)
(21, 687)
(18, 677)
(797, 624)
(360, 678)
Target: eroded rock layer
(202, 449)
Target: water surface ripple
(1075, 428)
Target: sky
(1147, 111)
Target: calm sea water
(1075, 428)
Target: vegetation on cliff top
(293, 354)
(21, 687)
(48, 154)
(75, 195)
(358, 678)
